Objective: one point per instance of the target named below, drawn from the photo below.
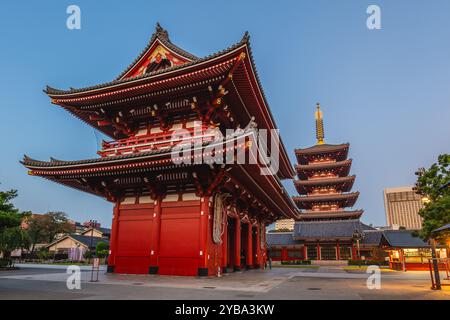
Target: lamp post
(358, 235)
(92, 223)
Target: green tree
(12, 236)
(102, 249)
(45, 228)
(436, 211)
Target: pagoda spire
(319, 125)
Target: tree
(430, 182)
(12, 236)
(45, 228)
(102, 249)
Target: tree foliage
(430, 182)
(102, 249)
(12, 236)
(45, 228)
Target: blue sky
(384, 91)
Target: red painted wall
(180, 238)
(134, 239)
(185, 243)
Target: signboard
(96, 262)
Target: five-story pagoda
(323, 181)
(327, 230)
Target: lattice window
(295, 253)
(345, 253)
(328, 252)
(275, 253)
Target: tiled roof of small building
(280, 239)
(403, 239)
(326, 229)
(372, 237)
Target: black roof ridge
(318, 146)
(329, 221)
(162, 35)
(331, 195)
(244, 41)
(318, 164)
(30, 161)
(349, 177)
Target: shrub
(296, 262)
(88, 254)
(5, 262)
(367, 262)
(44, 255)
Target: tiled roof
(326, 229)
(403, 239)
(319, 148)
(162, 35)
(53, 163)
(280, 239)
(308, 215)
(367, 227)
(245, 40)
(86, 240)
(372, 237)
(444, 228)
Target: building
(284, 225)
(324, 230)
(179, 213)
(408, 252)
(87, 240)
(75, 245)
(402, 206)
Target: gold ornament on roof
(320, 135)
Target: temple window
(345, 252)
(312, 252)
(328, 252)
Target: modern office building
(402, 206)
(284, 225)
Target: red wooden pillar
(114, 237)
(391, 265)
(258, 260)
(204, 220)
(402, 259)
(156, 230)
(338, 254)
(354, 253)
(225, 246)
(318, 252)
(264, 249)
(284, 254)
(237, 244)
(249, 256)
(305, 253)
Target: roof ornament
(319, 125)
(161, 32)
(245, 37)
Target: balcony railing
(149, 142)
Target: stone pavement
(279, 283)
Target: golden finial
(319, 125)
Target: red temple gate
(174, 214)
